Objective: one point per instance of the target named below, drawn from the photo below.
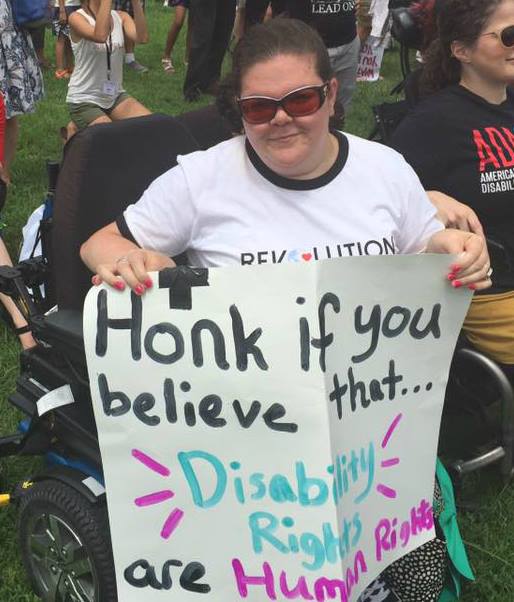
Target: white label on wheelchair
(93, 485)
(62, 396)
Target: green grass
(489, 531)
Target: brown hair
(263, 42)
(457, 20)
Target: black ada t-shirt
(334, 20)
(462, 145)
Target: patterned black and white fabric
(419, 576)
(378, 591)
(21, 82)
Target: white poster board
(277, 439)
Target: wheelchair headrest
(105, 168)
(405, 29)
(414, 21)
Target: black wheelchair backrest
(106, 168)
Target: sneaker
(137, 67)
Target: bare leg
(102, 119)
(60, 61)
(176, 26)
(130, 107)
(67, 131)
(19, 321)
(129, 46)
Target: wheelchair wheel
(65, 545)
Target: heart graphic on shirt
(306, 256)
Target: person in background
(459, 139)
(38, 41)
(61, 31)
(21, 82)
(10, 313)
(336, 22)
(95, 92)
(21, 86)
(181, 7)
(130, 45)
(211, 23)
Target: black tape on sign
(180, 281)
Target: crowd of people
(306, 183)
(212, 25)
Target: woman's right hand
(132, 269)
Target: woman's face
(488, 59)
(293, 147)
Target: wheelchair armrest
(506, 393)
(493, 369)
(63, 329)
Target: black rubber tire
(87, 522)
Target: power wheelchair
(63, 526)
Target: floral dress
(21, 82)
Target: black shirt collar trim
(292, 184)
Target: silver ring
(489, 272)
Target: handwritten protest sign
(370, 59)
(270, 433)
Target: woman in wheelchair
(460, 142)
(283, 186)
(95, 91)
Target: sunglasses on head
(298, 103)
(505, 35)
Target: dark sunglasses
(298, 103)
(506, 35)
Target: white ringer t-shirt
(224, 206)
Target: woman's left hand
(472, 265)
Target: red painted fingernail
(455, 268)
(472, 287)
(119, 285)
(95, 280)
(139, 289)
(457, 283)
(148, 283)
(452, 276)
